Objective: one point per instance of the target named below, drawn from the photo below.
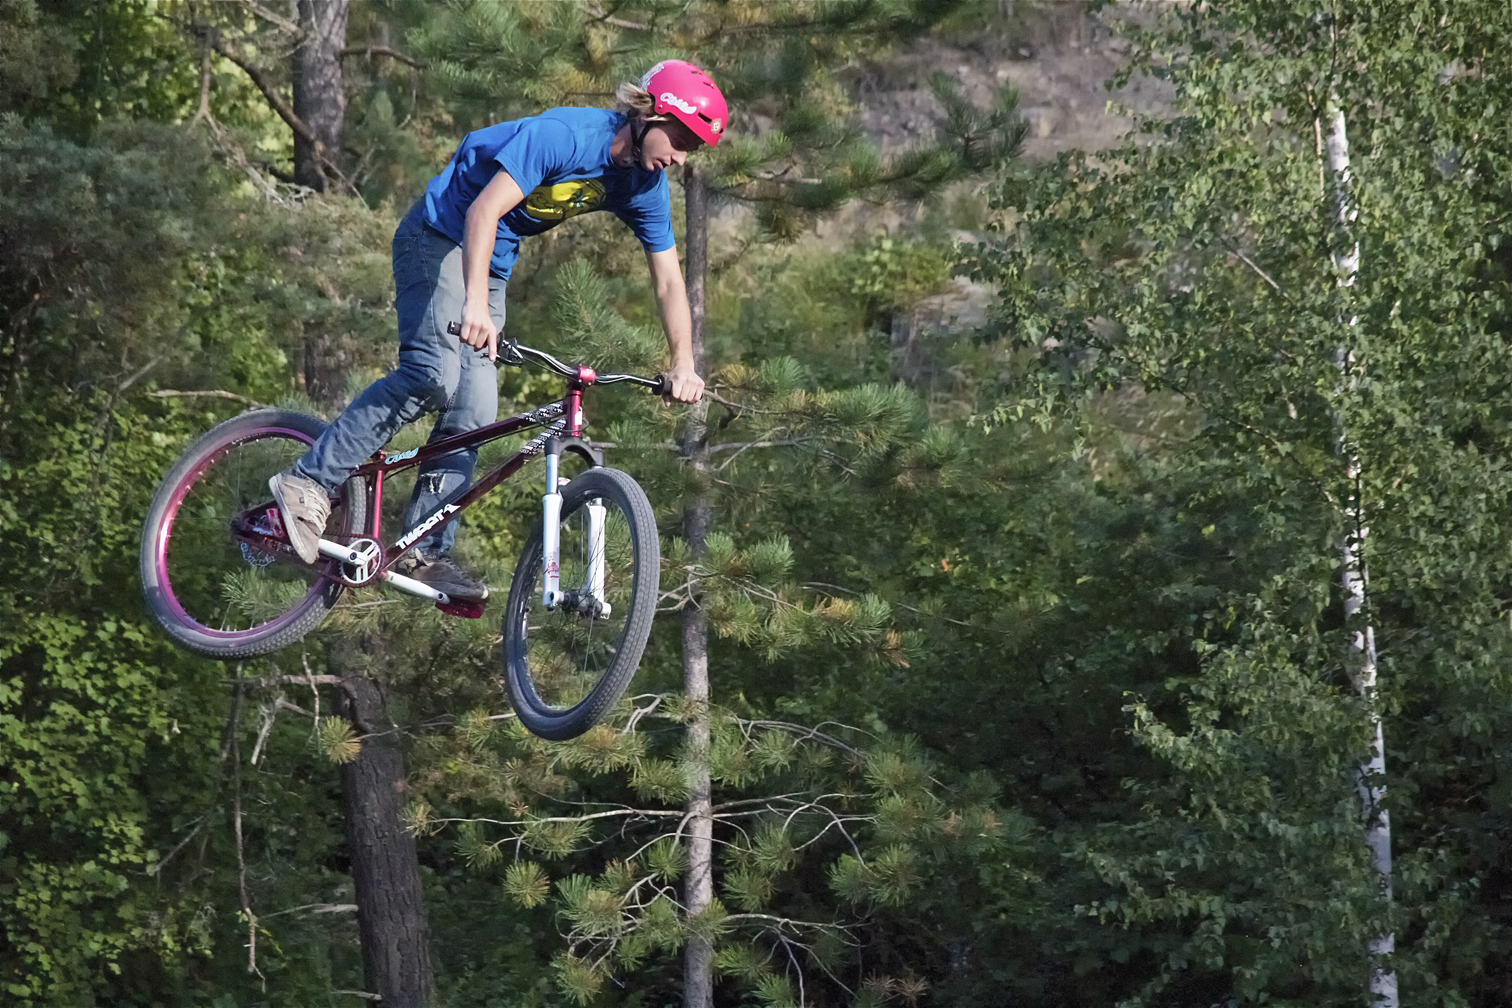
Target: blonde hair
(634, 100)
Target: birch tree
(1280, 256)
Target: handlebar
(516, 354)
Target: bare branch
(270, 714)
(382, 50)
(316, 908)
(286, 680)
(159, 865)
(292, 27)
(615, 813)
(211, 394)
(138, 374)
(604, 17)
(743, 445)
(269, 91)
(807, 732)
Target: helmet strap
(636, 138)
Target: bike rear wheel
(230, 595)
(566, 666)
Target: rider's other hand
(478, 330)
(687, 386)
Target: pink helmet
(681, 89)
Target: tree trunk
(385, 869)
(318, 99)
(698, 956)
(1372, 770)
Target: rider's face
(666, 144)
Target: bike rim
(251, 488)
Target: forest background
(1012, 551)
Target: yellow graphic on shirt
(565, 199)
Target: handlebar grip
(663, 385)
(454, 328)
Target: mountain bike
(219, 573)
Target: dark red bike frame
(564, 422)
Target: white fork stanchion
(597, 562)
(551, 537)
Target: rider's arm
(481, 230)
(667, 280)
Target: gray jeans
(436, 372)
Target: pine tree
(776, 60)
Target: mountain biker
(453, 254)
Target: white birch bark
(1372, 790)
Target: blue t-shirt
(560, 160)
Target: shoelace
(318, 504)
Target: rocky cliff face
(1059, 57)
(1056, 54)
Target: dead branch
(269, 715)
(804, 732)
(203, 112)
(614, 813)
(292, 27)
(746, 445)
(285, 111)
(382, 50)
(317, 908)
(198, 824)
(286, 680)
(269, 92)
(241, 860)
(210, 393)
(304, 659)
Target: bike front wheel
(217, 573)
(565, 666)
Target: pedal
(467, 610)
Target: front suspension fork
(551, 536)
(551, 545)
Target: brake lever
(510, 349)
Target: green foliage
(1195, 261)
(132, 264)
(527, 884)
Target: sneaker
(305, 505)
(437, 571)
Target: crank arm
(338, 552)
(345, 554)
(414, 587)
